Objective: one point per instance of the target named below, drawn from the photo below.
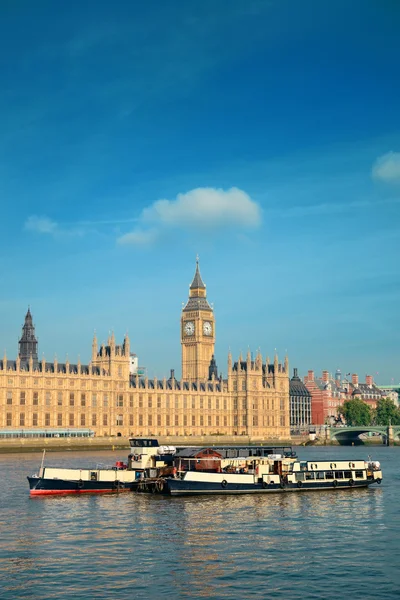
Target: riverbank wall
(118, 443)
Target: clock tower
(197, 332)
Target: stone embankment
(117, 443)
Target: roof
(197, 280)
(195, 303)
(297, 387)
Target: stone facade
(103, 396)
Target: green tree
(356, 412)
(387, 412)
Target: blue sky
(262, 135)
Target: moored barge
(145, 459)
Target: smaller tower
(213, 369)
(28, 345)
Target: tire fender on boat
(265, 484)
(334, 483)
(351, 482)
(379, 481)
(224, 483)
(299, 484)
(80, 484)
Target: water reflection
(138, 546)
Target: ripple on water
(322, 545)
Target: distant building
(391, 391)
(300, 402)
(329, 393)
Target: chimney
(325, 375)
(354, 379)
(310, 376)
(369, 380)
(295, 373)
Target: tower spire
(28, 345)
(197, 283)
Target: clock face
(189, 328)
(207, 328)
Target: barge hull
(182, 488)
(57, 487)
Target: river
(329, 545)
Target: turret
(28, 345)
(94, 347)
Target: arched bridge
(350, 435)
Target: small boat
(146, 458)
(210, 472)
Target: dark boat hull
(180, 487)
(51, 487)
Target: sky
(262, 135)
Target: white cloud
(140, 237)
(387, 168)
(201, 208)
(41, 225)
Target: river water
(332, 544)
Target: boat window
(359, 474)
(300, 476)
(329, 475)
(303, 465)
(310, 475)
(320, 475)
(347, 474)
(339, 475)
(93, 476)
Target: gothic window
(158, 401)
(243, 386)
(185, 420)
(120, 400)
(201, 403)
(209, 404)
(167, 402)
(140, 401)
(22, 398)
(235, 421)
(48, 398)
(167, 421)
(225, 404)
(120, 420)
(22, 419)
(94, 420)
(235, 386)
(150, 420)
(209, 420)
(34, 419)
(59, 420)
(282, 421)
(244, 421)
(150, 402)
(47, 420)
(71, 419)
(9, 397)
(217, 421)
(105, 420)
(176, 420)
(244, 404)
(193, 421)
(235, 404)
(105, 402)
(130, 420)
(59, 398)
(71, 399)
(217, 403)
(94, 400)
(130, 400)
(193, 403)
(159, 420)
(176, 402)
(185, 402)
(225, 421)
(201, 420)
(255, 421)
(9, 419)
(282, 404)
(83, 399)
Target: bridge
(348, 436)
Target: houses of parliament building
(103, 396)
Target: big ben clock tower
(197, 332)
